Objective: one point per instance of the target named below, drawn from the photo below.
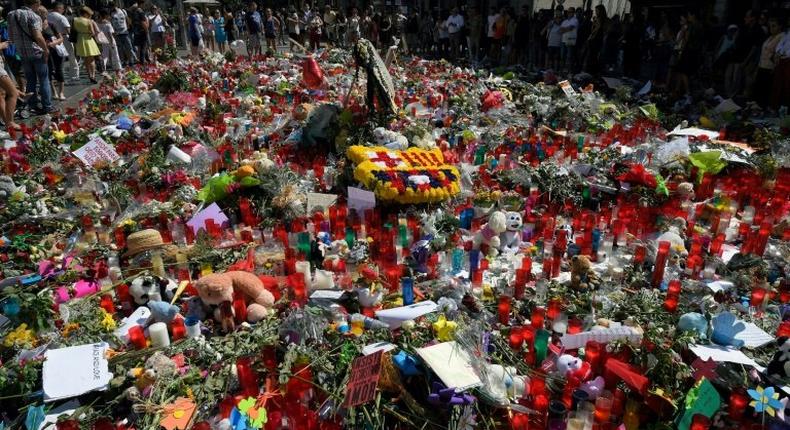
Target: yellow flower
(445, 330)
(59, 135)
(107, 322)
(20, 337)
(70, 327)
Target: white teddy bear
(500, 384)
(259, 160)
(510, 239)
(390, 139)
(489, 233)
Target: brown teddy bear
(582, 274)
(217, 288)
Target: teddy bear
(582, 274)
(674, 235)
(510, 239)
(779, 366)
(500, 384)
(392, 140)
(216, 288)
(489, 234)
(259, 160)
(157, 366)
(573, 367)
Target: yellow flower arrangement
(411, 176)
(107, 321)
(21, 337)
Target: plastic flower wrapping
(272, 243)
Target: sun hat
(143, 240)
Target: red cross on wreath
(384, 157)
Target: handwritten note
(70, 372)
(723, 354)
(364, 379)
(707, 403)
(96, 151)
(575, 341)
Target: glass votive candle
(603, 407)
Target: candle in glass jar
(516, 337)
(137, 337)
(303, 267)
(537, 317)
(758, 296)
(737, 404)
(503, 310)
(158, 333)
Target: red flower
(638, 175)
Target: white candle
(193, 327)
(303, 267)
(158, 334)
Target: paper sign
(707, 403)
(364, 379)
(576, 341)
(360, 199)
(321, 200)
(396, 316)
(327, 294)
(451, 364)
(138, 317)
(96, 151)
(212, 212)
(723, 354)
(567, 88)
(76, 370)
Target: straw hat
(142, 241)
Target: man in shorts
(254, 27)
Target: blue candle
(458, 260)
(407, 288)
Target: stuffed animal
(582, 274)
(779, 366)
(390, 139)
(158, 366)
(152, 288)
(219, 287)
(489, 233)
(569, 366)
(510, 239)
(693, 322)
(503, 383)
(161, 312)
(674, 235)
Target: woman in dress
(270, 27)
(219, 31)
(208, 30)
(195, 33)
(86, 47)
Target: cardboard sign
(364, 379)
(567, 88)
(96, 151)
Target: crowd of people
(43, 49)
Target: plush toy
(582, 274)
(219, 287)
(489, 233)
(674, 235)
(334, 254)
(693, 322)
(779, 366)
(392, 140)
(158, 366)
(161, 312)
(503, 383)
(152, 288)
(570, 366)
(510, 239)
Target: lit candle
(247, 377)
(758, 296)
(603, 407)
(503, 310)
(158, 334)
(516, 337)
(554, 309)
(537, 317)
(700, 422)
(737, 404)
(661, 261)
(177, 328)
(137, 337)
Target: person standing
(140, 26)
(412, 32)
(158, 26)
(294, 28)
(569, 29)
(600, 25)
(330, 22)
(521, 38)
(109, 51)
(270, 27)
(767, 64)
(62, 26)
(54, 39)
(386, 31)
(219, 31)
(193, 30)
(474, 29)
(455, 27)
(780, 93)
(208, 29)
(120, 26)
(231, 32)
(86, 47)
(254, 25)
(553, 33)
(353, 27)
(10, 94)
(24, 27)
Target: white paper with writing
(451, 364)
(96, 151)
(575, 341)
(70, 372)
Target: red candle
(520, 284)
(593, 354)
(758, 296)
(503, 309)
(137, 337)
(737, 405)
(661, 261)
(700, 422)
(239, 307)
(554, 309)
(519, 421)
(671, 303)
(575, 325)
(639, 255)
(674, 288)
(537, 317)
(247, 377)
(178, 329)
(516, 337)
(269, 357)
(120, 238)
(783, 329)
